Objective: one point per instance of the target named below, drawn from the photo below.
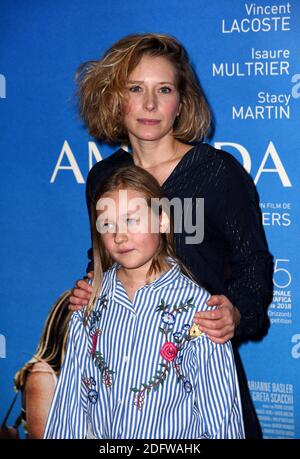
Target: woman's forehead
(157, 67)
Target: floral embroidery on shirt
(90, 384)
(195, 331)
(169, 352)
(106, 373)
(95, 332)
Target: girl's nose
(120, 237)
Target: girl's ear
(164, 222)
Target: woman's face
(151, 100)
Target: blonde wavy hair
(52, 344)
(101, 87)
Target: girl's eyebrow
(129, 212)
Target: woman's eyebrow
(141, 81)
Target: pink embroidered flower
(95, 336)
(94, 341)
(169, 351)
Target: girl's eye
(105, 227)
(165, 90)
(135, 88)
(132, 221)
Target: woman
(37, 379)
(144, 92)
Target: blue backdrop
(247, 58)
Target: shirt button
(120, 401)
(126, 358)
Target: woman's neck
(149, 154)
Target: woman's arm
(250, 282)
(39, 391)
(243, 305)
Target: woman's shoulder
(227, 162)
(103, 169)
(116, 160)
(226, 173)
(207, 152)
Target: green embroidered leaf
(162, 330)
(134, 390)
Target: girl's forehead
(122, 202)
(123, 193)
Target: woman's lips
(148, 122)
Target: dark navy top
(233, 259)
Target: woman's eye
(165, 90)
(135, 88)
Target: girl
(135, 365)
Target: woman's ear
(164, 222)
(179, 109)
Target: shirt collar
(161, 282)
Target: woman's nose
(150, 102)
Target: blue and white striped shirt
(134, 372)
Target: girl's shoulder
(199, 295)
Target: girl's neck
(133, 279)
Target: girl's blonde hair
(137, 179)
(102, 83)
(52, 344)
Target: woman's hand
(219, 325)
(81, 293)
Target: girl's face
(151, 100)
(129, 229)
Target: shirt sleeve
(249, 285)
(218, 396)
(67, 418)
